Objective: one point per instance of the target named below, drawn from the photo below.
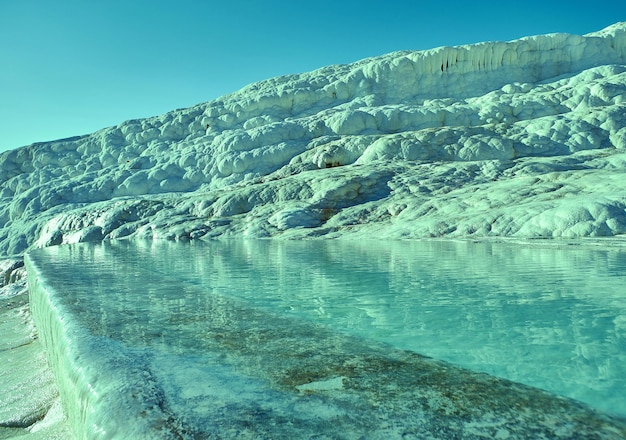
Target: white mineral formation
(519, 139)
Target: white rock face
(524, 138)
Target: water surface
(552, 317)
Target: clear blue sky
(71, 67)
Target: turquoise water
(552, 317)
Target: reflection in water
(551, 317)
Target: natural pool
(195, 321)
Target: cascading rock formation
(524, 139)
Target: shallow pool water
(185, 320)
(553, 317)
(548, 316)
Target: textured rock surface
(524, 138)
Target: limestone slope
(525, 138)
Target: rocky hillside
(520, 139)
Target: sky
(72, 67)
